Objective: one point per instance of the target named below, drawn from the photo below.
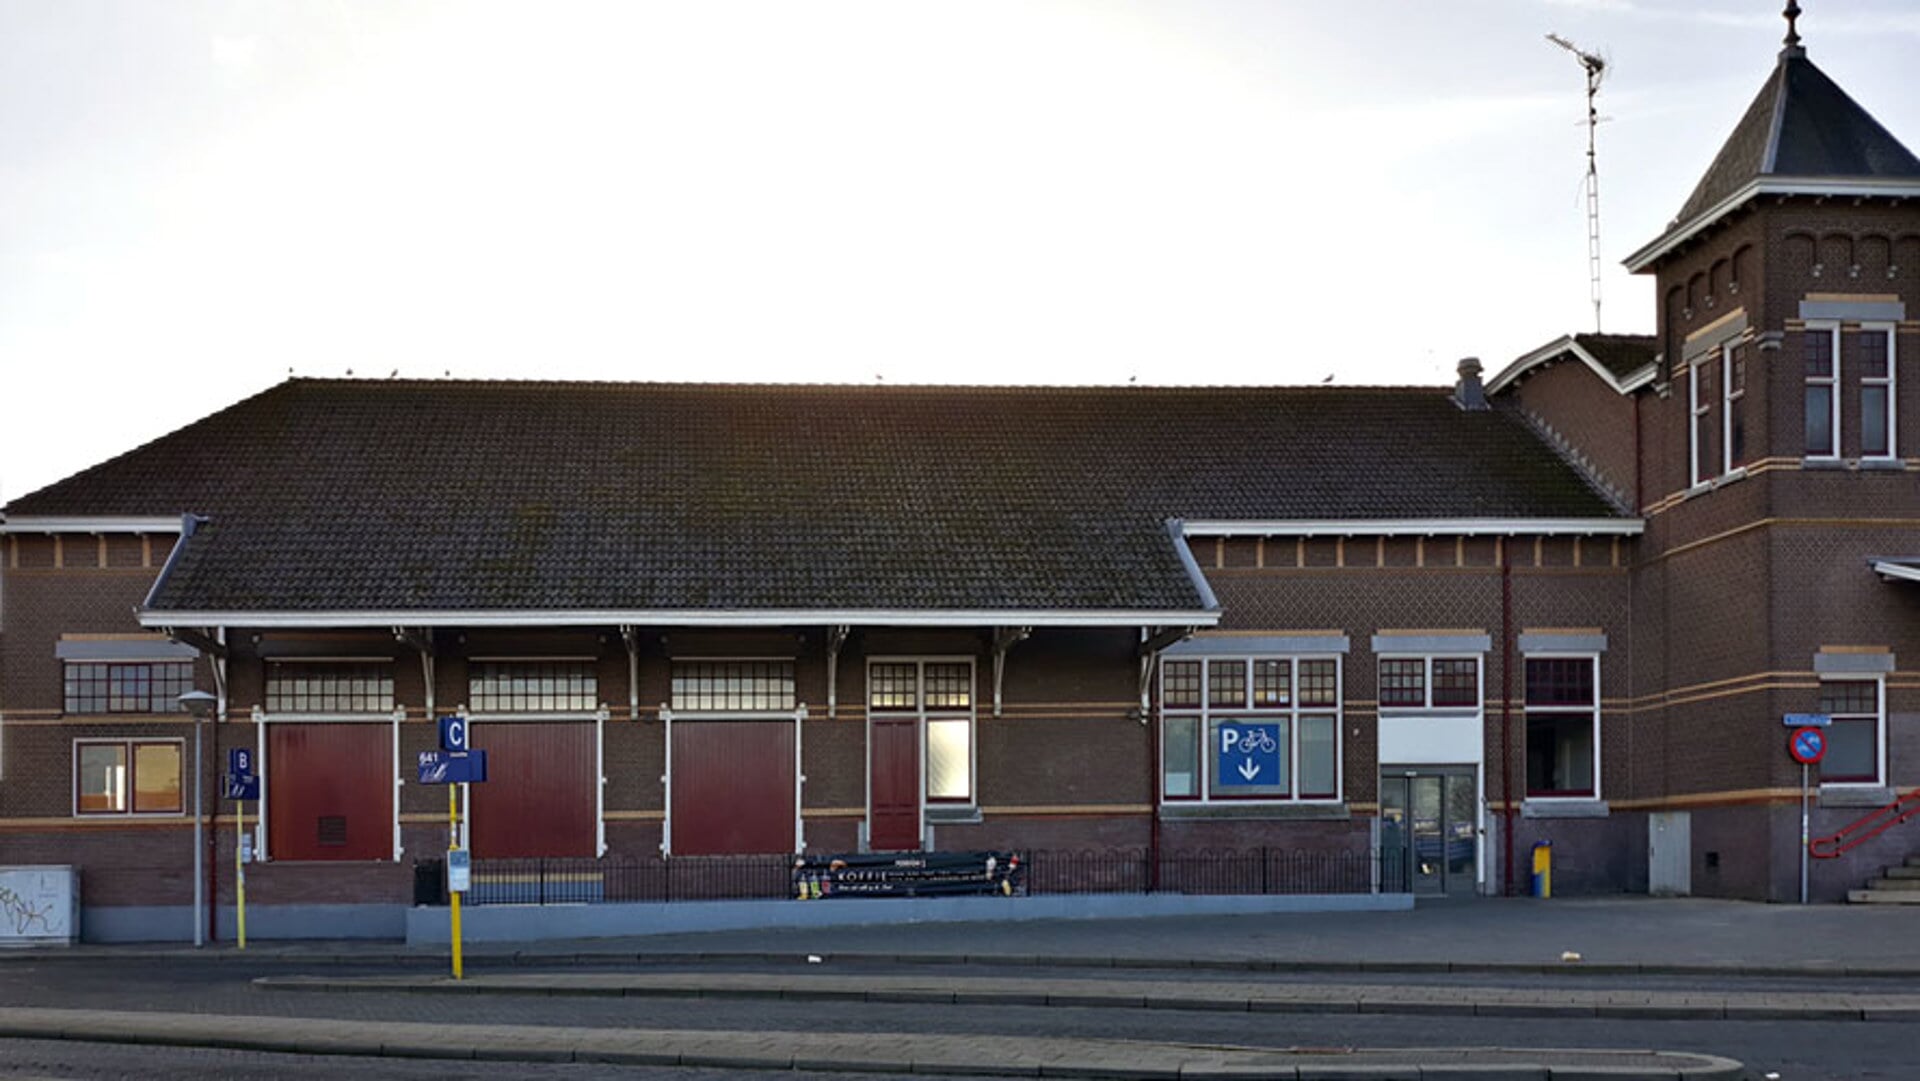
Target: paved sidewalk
(1613, 935)
(890, 1052)
(1236, 996)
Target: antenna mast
(1595, 68)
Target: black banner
(908, 874)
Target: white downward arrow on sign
(1249, 770)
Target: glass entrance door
(1427, 831)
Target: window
(733, 686)
(1429, 683)
(1285, 709)
(1853, 740)
(140, 687)
(329, 687)
(1563, 726)
(1733, 400)
(532, 687)
(940, 694)
(127, 777)
(1871, 353)
(1700, 451)
(1823, 398)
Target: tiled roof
(1621, 354)
(329, 495)
(1800, 125)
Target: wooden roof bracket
(630, 637)
(1151, 643)
(836, 638)
(420, 639)
(1004, 639)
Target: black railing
(583, 880)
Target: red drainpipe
(1506, 713)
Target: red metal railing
(1867, 828)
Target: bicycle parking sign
(1249, 756)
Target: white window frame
(1528, 709)
(1696, 410)
(1831, 381)
(1206, 714)
(921, 715)
(1879, 729)
(1890, 383)
(1427, 706)
(471, 708)
(1729, 397)
(793, 667)
(266, 684)
(128, 742)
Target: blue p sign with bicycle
(1249, 755)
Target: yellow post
(240, 872)
(453, 845)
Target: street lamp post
(201, 705)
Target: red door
(330, 791)
(893, 814)
(538, 799)
(733, 788)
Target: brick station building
(1438, 624)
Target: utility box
(39, 906)
(1543, 869)
(429, 882)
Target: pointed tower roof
(1801, 136)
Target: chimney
(1468, 394)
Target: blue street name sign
(453, 734)
(442, 767)
(1249, 755)
(239, 761)
(242, 787)
(1807, 720)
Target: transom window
(1268, 728)
(532, 686)
(941, 694)
(137, 687)
(329, 687)
(1563, 726)
(1853, 740)
(127, 776)
(739, 686)
(1429, 682)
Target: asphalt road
(1855, 1051)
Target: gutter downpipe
(1506, 714)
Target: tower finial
(1793, 31)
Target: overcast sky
(198, 198)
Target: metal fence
(713, 878)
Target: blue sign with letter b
(240, 761)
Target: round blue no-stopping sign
(1807, 745)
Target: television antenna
(1595, 68)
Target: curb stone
(930, 1054)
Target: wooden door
(733, 788)
(893, 811)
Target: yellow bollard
(453, 846)
(240, 872)
(1543, 869)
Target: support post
(239, 873)
(1805, 833)
(453, 895)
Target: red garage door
(732, 787)
(538, 799)
(330, 791)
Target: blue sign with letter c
(453, 734)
